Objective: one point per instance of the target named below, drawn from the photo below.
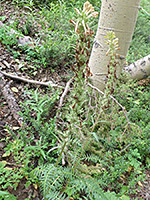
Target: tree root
(47, 84)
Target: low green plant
(57, 38)
(135, 98)
(6, 196)
(54, 41)
(57, 41)
(23, 163)
(6, 38)
(33, 143)
(9, 177)
(54, 186)
(39, 107)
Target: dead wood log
(10, 99)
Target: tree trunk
(118, 16)
(139, 69)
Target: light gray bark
(118, 16)
(139, 69)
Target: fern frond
(62, 183)
(50, 179)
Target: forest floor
(10, 65)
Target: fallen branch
(65, 92)
(62, 99)
(125, 148)
(49, 83)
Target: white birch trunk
(118, 16)
(139, 69)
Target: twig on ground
(123, 109)
(49, 83)
(140, 8)
(65, 92)
(125, 148)
(62, 99)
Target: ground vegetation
(66, 139)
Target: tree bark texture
(119, 16)
(139, 69)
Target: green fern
(61, 183)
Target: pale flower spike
(85, 6)
(77, 11)
(94, 14)
(84, 26)
(84, 15)
(76, 27)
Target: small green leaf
(6, 154)
(7, 195)
(95, 136)
(27, 184)
(124, 197)
(2, 18)
(137, 102)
